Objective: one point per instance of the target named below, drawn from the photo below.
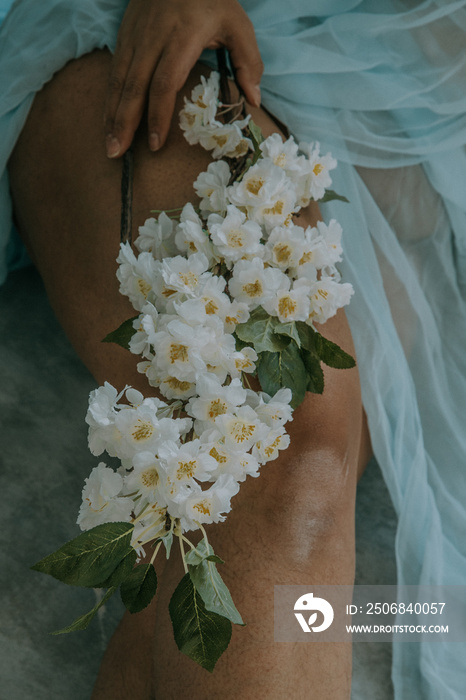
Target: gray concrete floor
(44, 460)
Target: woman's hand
(158, 44)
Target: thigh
(67, 205)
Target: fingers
(126, 97)
(158, 45)
(246, 60)
(172, 72)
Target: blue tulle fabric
(381, 84)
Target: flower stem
(180, 539)
(156, 551)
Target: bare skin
(295, 524)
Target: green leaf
(215, 558)
(306, 335)
(330, 195)
(240, 344)
(121, 572)
(167, 542)
(82, 622)
(90, 558)
(256, 134)
(332, 354)
(123, 334)
(259, 331)
(209, 584)
(139, 588)
(290, 330)
(199, 633)
(285, 368)
(315, 374)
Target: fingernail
(154, 142)
(257, 96)
(113, 146)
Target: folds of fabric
(380, 83)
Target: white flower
(179, 278)
(236, 313)
(233, 236)
(274, 411)
(194, 506)
(136, 275)
(285, 246)
(201, 109)
(101, 499)
(266, 193)
(331, 251)
(190, 236)
(173, 388)
(238, 463)
(214, 400)
(142, 431)
(102, 405)
(157, 237)
(243, 361)
(145, 327)
(184, 464)
(283, 154)
(266, 449)
(213, 298)
(253, 284)
(145, 479)
(178, 350)
(293, 305)
(241, 429)
(326, 297)
(224, 139)
(211, 187)
(317, 179)
(101, 414)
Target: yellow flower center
(186, 470)
(282, 252)
(235, 239)
(317, 169)
(254, 185)
(286, 306)
(307, 257)
(210, 306)
(241, 432)
(280, 160)
(217, 408)
(178, 352)
(221, 459)
(144, 287)
(272, 447)
(175, 383)
(203, 507)
(277, 208)
(143, 430)
(150, 478)
(189, 279)
(221, 140)
(243, 363)
(253, 289)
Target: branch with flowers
(225, 291)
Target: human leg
(294, 525)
